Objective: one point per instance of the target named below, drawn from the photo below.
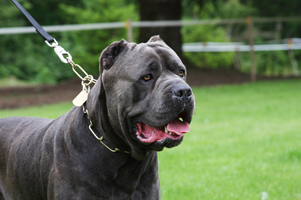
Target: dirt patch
(15, 97)
(208, 77)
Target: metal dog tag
(81, 98)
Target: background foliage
(26, 56)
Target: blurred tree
(206, 33)
(49, 12)
(278, 8)
(154, 10)
(89, 44)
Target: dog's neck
(98, 114)
(96, 158)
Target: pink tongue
(178, 127)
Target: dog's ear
(157, 39)
(109, 55)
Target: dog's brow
(141, 46)
(153, 66)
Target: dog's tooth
(165, 129)
(181, 119)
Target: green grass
(245, 140)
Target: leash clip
(54, 44)
(60, 51)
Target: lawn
(244, 143)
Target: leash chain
(61, 52)
(100, 138)
(86, 81)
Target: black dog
(140, 104)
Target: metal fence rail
(127, 24)
(234, 47)
(61, 28)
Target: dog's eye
(147, 77)
(182, 73)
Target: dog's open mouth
(174, 130)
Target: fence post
(292, 57)
(249, 21)
(129, 27)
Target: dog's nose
(183, 92)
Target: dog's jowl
(140, 104)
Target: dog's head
(148, 105)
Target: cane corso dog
(140, 104)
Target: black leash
(37, 26)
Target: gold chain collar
(100, 138)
